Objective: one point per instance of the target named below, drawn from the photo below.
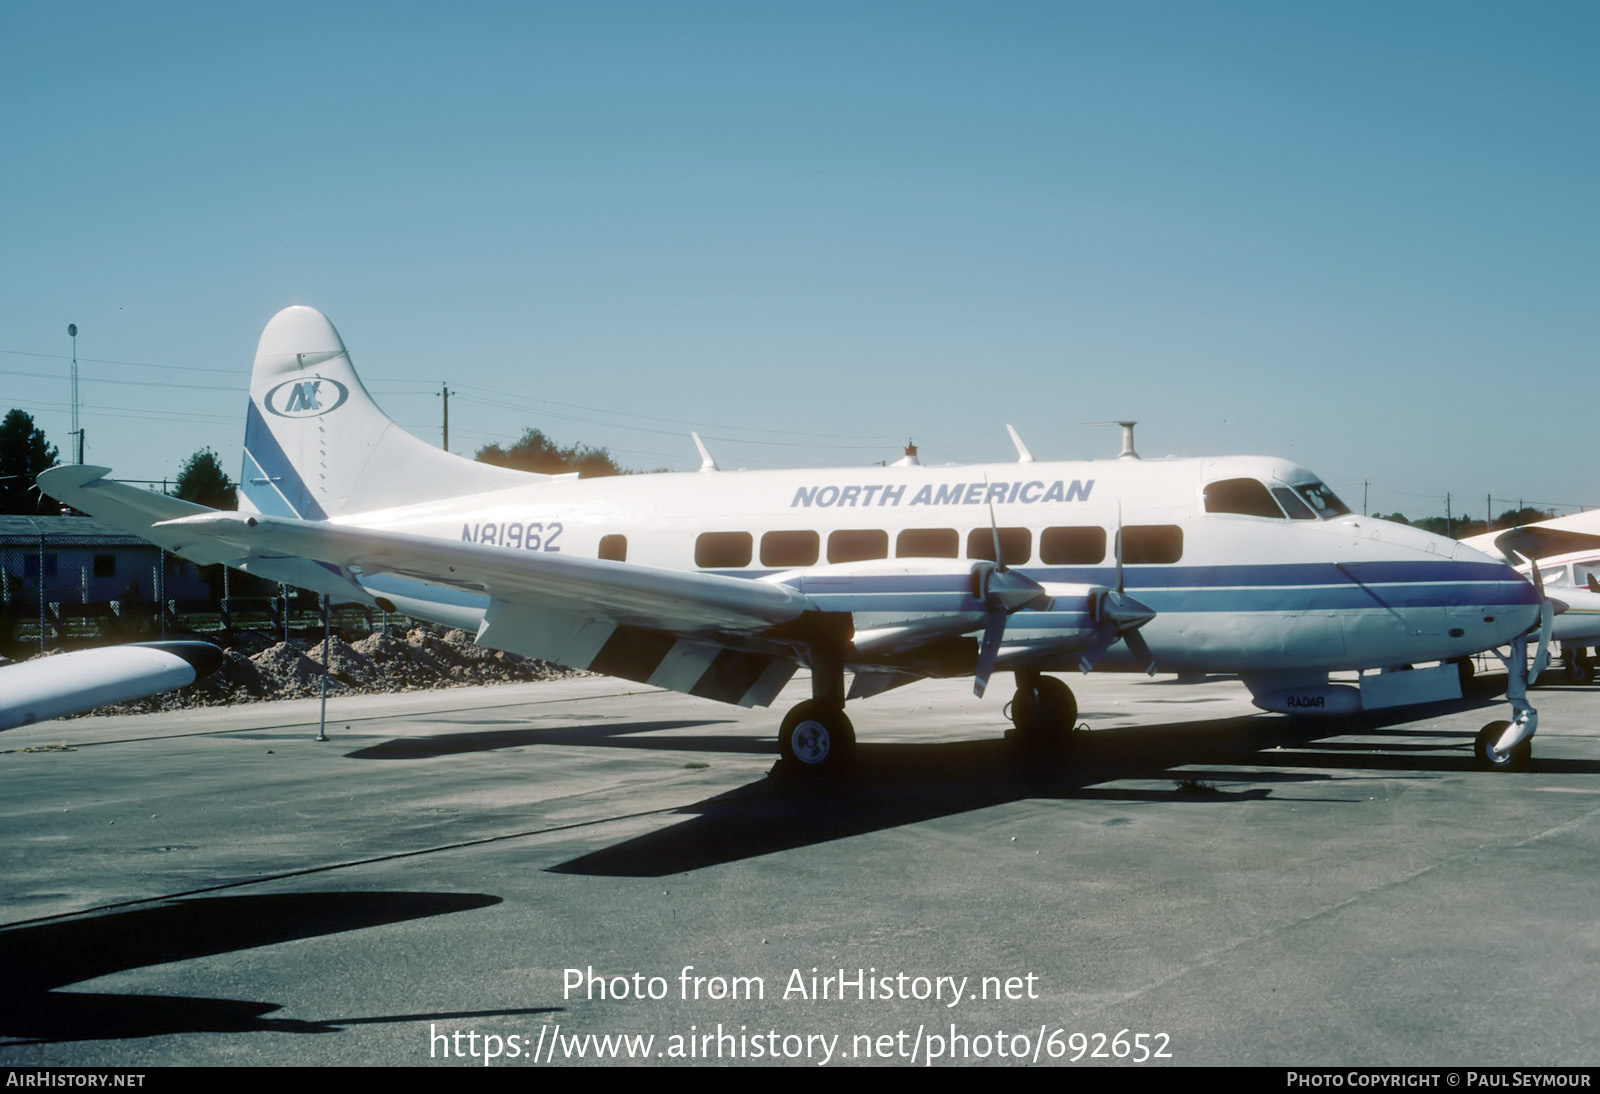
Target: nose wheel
(1492, 758)
(1508, 746)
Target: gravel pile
(422, 660)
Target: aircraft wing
(1537, 541)
(53, 687)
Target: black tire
(1047, 718)
(1580, 669)
(1490, 760)
(1466, 670)
(816, 739)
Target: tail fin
(317, 446)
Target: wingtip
(70, 476)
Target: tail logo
(306, 398)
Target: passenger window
(723, 550)
(614, 548)
(1072, 546)
(857, 545)
(1292, 504)
(928, 543)
(1151, 544)
(1015, 543)
(1245, 497)
(788, 549)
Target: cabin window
(1243, 497)
(788, 549)
(1292, 504)
(1324, 501)
(928, 543)
(1016, 544)
(1151, 544)
(723, 550)
(1072, 546)
(105, 565)
(614, 548)
(857, 545)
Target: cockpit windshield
(1253, 498)
(1322, 500)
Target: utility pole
(77, 433)
(445, 392)
(1364, 485)
(1448, 522)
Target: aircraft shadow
(617, 734)
(895, 785)
(37, 959)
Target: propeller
(1541, 658)
(1118, 615)
(1001, 591)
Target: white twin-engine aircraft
(721, 584)
(1562, 557)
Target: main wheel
(1045, 714)
(1490, 759)
(816, 739)
(1580, 670)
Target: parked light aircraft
(1566, 551)
(720, 584)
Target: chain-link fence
(67, 582)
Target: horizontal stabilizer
(594, 588)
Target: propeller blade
(1119, 545)
(994, 529)
(994, 628)
(1141, 651)
(1099, 642)
(1542, 657)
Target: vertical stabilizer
(317, 446)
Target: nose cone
(1453, 601)
(1503, 587)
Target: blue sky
(1358, 235)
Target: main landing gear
(1580, 667)
(816, 738)
(1044, 712)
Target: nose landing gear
(1508, 746)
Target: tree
(536, 452)
(1516, 518)
(203, 482)
(24, 453)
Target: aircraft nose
(1509, 602)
